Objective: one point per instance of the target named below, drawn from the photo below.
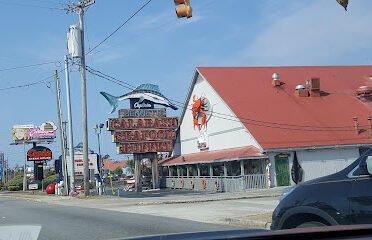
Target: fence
(219, 184)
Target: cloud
(317, 33)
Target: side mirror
(369, 164)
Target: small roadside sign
(33, 186)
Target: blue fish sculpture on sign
(149, 92)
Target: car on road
(342, 198)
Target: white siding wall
(222, 133)
(325, 161)
(320, 162)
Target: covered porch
(228, 170)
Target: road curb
(248, 223)
(56, 199)
(205, 200)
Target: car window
(361, 170)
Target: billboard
(39, 153)
(32, 133)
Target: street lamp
(97, 129)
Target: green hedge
(15, 183)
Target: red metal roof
(278, 119)
(211, 156)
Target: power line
(250, 121)
(31, 5)
(28, 66)
(42, 81)
(118, 28)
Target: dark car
(342, 198)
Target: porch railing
(219, 184)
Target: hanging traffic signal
(343, 3)
(184, 9)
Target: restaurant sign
(39, 153)
(142, 113)
(144, 147)
(143, 135)
(141, 123)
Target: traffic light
(184, 9)
(343, 3)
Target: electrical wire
(30, 5)
(42, 81)
(28, 66)
(237, 119)
(121, 25)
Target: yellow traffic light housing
(343, 3)
(184, 10)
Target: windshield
(136, 118)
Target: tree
(130, 165)
(118, 171)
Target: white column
(210, 170)
(225, 169)
(242, 167)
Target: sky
(156, 47)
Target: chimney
(356, 125)
(369, 126)
(275, 82)
(314, 87)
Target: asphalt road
(62, 222)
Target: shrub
(15, 182)
(14, 188)
(50, 179)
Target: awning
(230, 154)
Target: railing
(218, 184)
(255, 181)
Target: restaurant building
(259, 127)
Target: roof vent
(364, 91)
(300, 87)
(301, 91)
(276, 81)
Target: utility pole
(70, 136)
(24, 168)
(6, 170)
(2, 168)
(97, 129)
(64, 170)
(79, 8)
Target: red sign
(39, 153)
(144, 147)
(140, 123)
(143, 135)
